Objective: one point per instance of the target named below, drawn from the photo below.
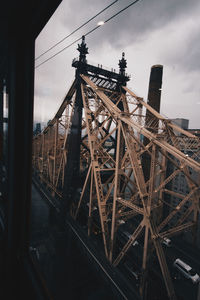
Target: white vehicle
(186, 270)
(93, 208)
(121, 222)
(167, 242)
(127, 235)
(133, 273)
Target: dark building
(179, 184)
(183, 123)
(20, 23)
(37, 128)
(195, 132)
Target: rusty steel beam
(111, 172)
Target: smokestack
(155, 84)
(154, 93)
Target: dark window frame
(20, 24)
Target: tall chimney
(155, 84)
(154, 93)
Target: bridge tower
(91, 155)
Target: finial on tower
(82, 48)
(122, 65)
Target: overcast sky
(150, 32)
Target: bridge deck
(67, 252)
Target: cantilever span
(93, 156)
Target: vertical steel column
(72, 168)
(90, 203)
(55, 151)
(20, 127)
(154, 93)
(116, 192)
(122, 106)
(1, 127)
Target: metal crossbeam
(113, 186)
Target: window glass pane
(3, 155)
(95, 145)
(56, 250)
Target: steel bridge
(106, 156)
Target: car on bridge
(187, 271)
(167, 242)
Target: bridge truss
(120, 138)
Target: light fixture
(100, 23)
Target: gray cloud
(181, 50)
(148, 29)
(189, 58)
(131, 25)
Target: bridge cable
(92, 30)
(63, 39)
